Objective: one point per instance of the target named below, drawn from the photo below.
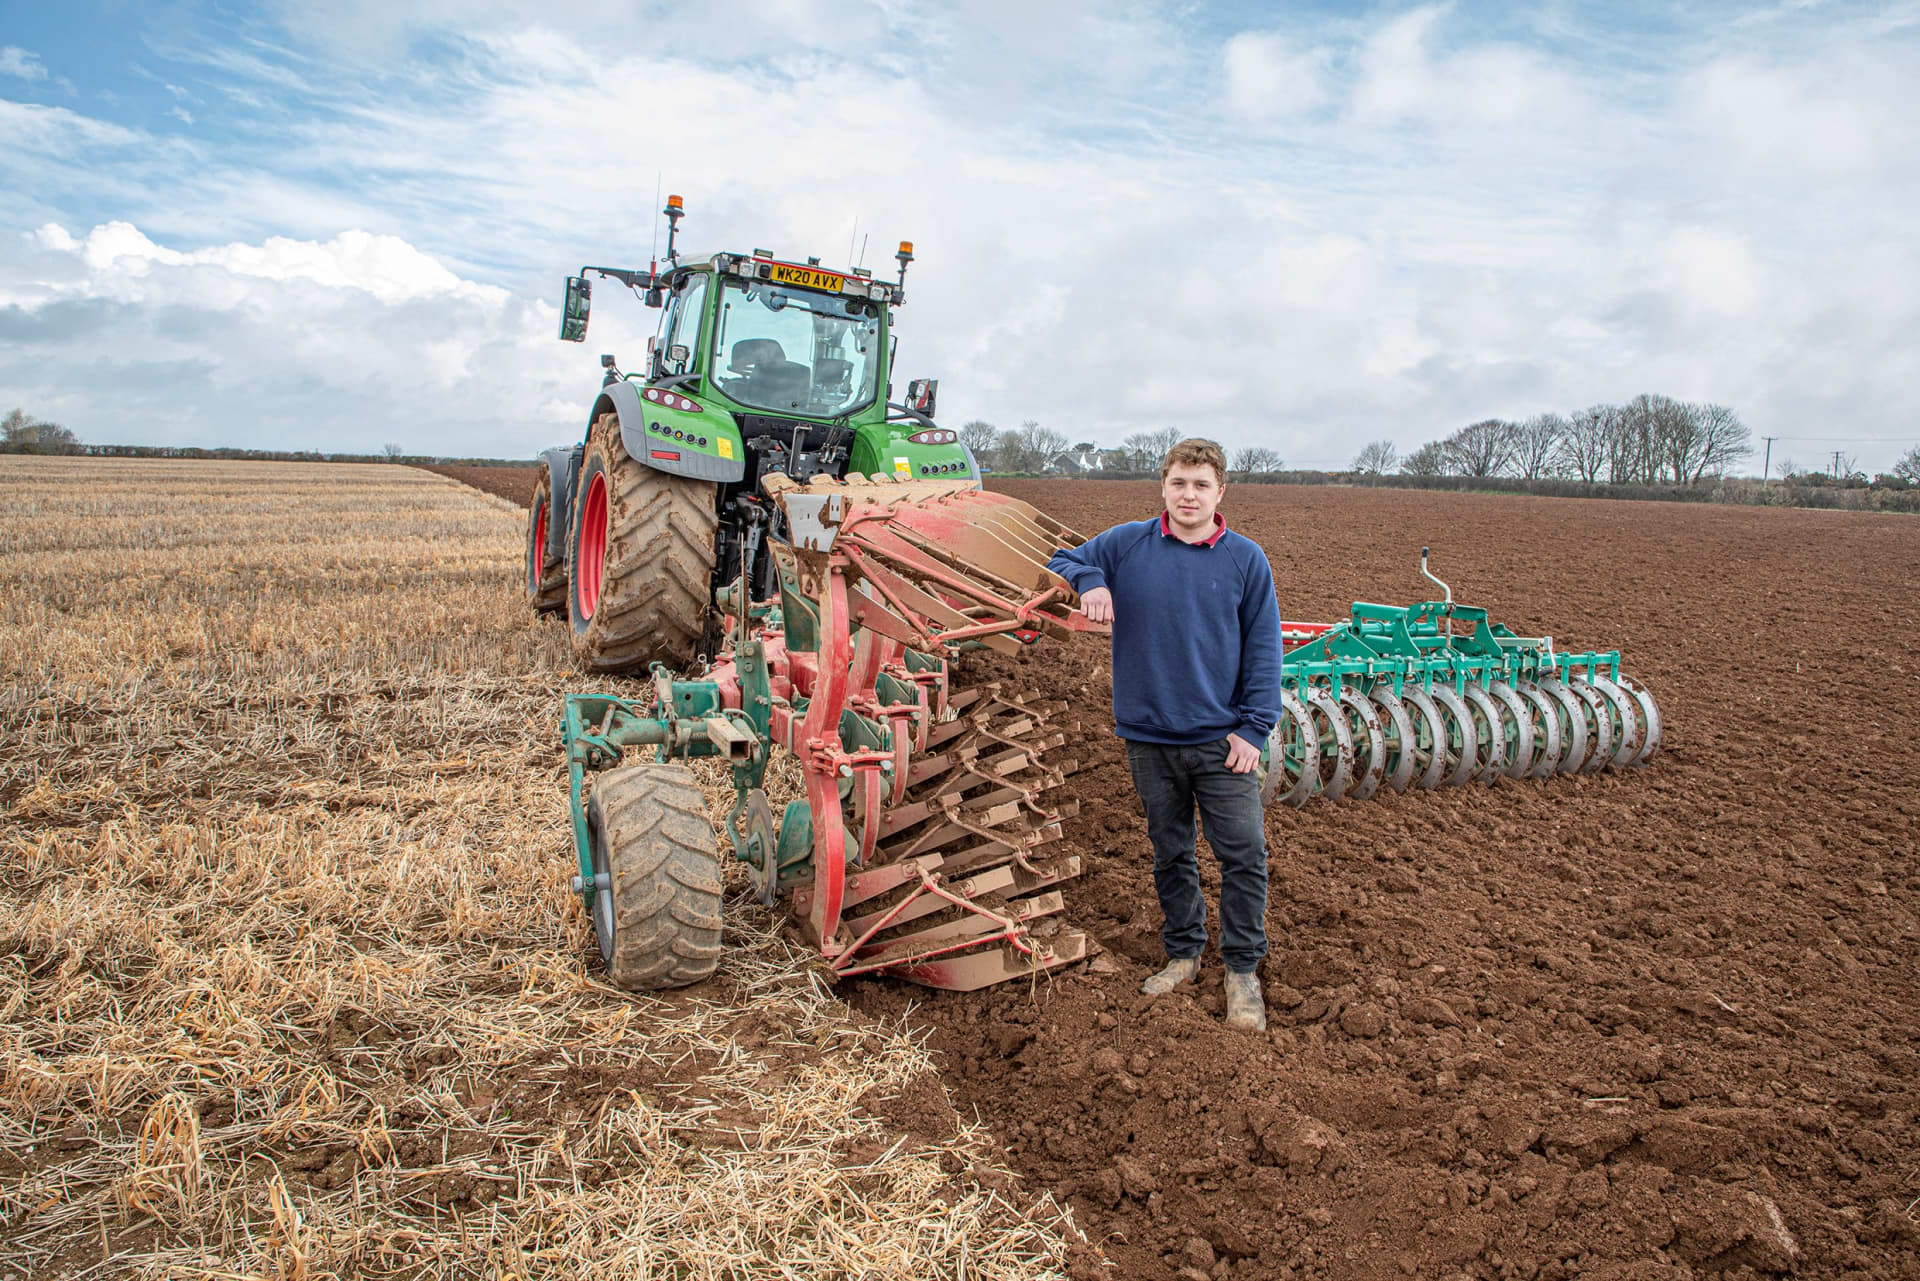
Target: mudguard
(623, 398)
(563, 468)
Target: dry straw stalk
(291, 985)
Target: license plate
(806, 278)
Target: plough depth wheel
(657, 915)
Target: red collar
(1219, 528)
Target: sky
(339, 224)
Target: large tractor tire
(546, 588)
(657, 917)
(641, 558)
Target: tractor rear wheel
(658, 919)
(546, 586)
(641, 559)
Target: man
(1196, 690)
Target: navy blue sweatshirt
(1196, 632)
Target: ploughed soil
(513, 482)
(1652, 1024)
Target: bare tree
(1040, 444)
(1589, 441)
(1480, 449)
(1119, 458)
(1428, 460)
(1787, 469)
(1536, 445)
(1008, 453)
(1150, 447)
(1908, 468)
(392, 450)
(1377, 458)
(979, 435)
(1255, 460)
(1724, 440)
(1658, 437)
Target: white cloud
(340, 345)
(1269, 78)
(19, 63)
(1386, 226)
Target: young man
(1196, 690)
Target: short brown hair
(1196, 452)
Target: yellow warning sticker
(901, 467)
(725, 447)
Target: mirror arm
(907, 412)
(631, 279)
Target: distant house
(1075, 461)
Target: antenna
(653, 250)
(851, 235)
(861, 261)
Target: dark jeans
(1171, 781)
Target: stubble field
(293, 986)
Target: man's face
(1191, 491)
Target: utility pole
(1766, 468)
(1835, 473)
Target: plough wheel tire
(546, 586)
(641, 557)
(658, 923)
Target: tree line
(1650, 440)
(1033, 448)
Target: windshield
(794, 351)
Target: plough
(923, 848)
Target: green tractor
(760, 366)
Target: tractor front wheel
(658, 919)
(641, 583)
(546, 585)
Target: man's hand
(1097, 605)
(1242, 757)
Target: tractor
(761, 367)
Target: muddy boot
(1246, 1007)
(1176, 973)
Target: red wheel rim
(539, 566)
(593, 545)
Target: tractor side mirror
(573, 313)
(921, 393)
